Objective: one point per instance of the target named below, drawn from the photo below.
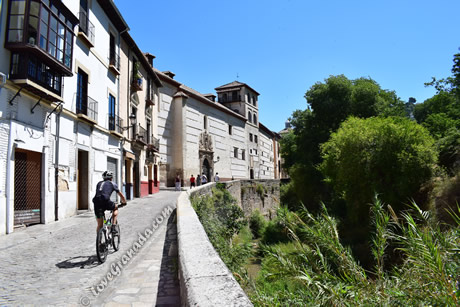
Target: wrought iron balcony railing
(86, 26)
(153, 144)
(115, 123)
(141, 134)
(114, 60)
(87, 107)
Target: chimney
(287, 125)
(150, 58)
(169, 74)
(211, 97)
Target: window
(82, 92)
(234, 95)
(249, 116)
(112, 51)
(230, 129)
(254, 100)
(134, 111)
(205, 123)
(149, 127)
(16, 24)
(255, 152)
(112, 120)
(255, 138)
(255, 119)
(250, 137)
(243, 154)
(235, 152)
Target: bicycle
(106, 238)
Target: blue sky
(281, 48)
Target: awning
(129, 154)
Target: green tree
(329, 104)
(390, 156)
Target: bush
(389, 156)
(257, 223)
(289, 197)
(222, 220)
(315, 268)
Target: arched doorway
(206, 169)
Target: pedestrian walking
(177, 182)
(198, 180)
(216, 177)
(192, 182)
(204, 179)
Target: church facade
(200, 134)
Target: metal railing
(114, 60)
(115, 123)
(86, 26)
(87, 107)
(141, 134)
(229, 99)
(153, 144)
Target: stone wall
(256, 194)
(204, 278)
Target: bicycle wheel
(102, 246)
(116, 237)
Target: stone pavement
(55, 264)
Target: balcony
(136, 85)
(115, 125)
(35, 76)
(150, 97)
(49, 43)
(153, 144)
(86, 29)
(86, 109)
(114, 63)
(140, 135)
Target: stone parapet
(204, 279)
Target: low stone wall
(204, 279)
(250, 195)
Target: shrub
(222, 220)
(257, 223)
(389, 156)
(260, 190)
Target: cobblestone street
(56, 264)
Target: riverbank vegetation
(370, 215)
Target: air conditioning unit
(2, 79)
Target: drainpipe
(120, 168)
(9, 225)
(56, 165)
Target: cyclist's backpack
(100, 197)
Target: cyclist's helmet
(107, 175)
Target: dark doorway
(136, 180)
(27, 187)
(82, 180)
(251, 174)
(206, 169)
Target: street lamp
(132, 119)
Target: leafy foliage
(329, 104)
(257, 224)
(222, 220)
(314, 268)
(390, 156)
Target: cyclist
(102, 200)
